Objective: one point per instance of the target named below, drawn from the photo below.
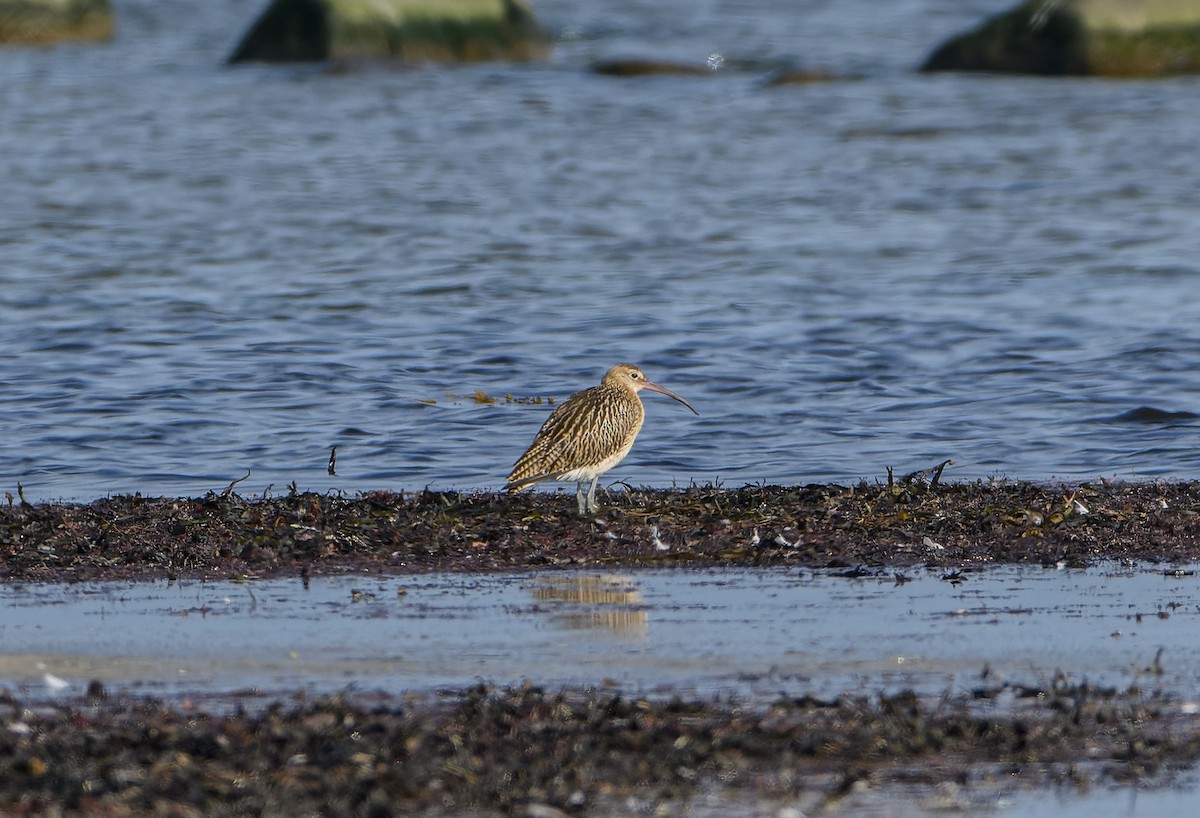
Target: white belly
(585, 474)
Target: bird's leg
(581, 499)
(591, 498)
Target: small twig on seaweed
(1156, 666)
(937, 475)
(21, 494)
(932, 474)
(229, 489)
(333, 461)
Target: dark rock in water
(638, 67)
(39, 22)
(775, 73)
(1148, 414)
(408, 30)
(800, 76)
(1114, 38)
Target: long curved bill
(662, 390)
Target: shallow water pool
(755, 634)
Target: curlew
(588, 435)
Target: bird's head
(630, 376)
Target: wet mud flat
(598, 749)
(897, 524)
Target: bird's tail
(513, 486)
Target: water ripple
(209, 271)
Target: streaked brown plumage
(588, 435)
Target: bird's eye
(635, 375)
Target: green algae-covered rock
(37, 22)
(409, 30)
(1115, 38)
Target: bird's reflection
(601, 601)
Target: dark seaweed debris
(896, 524)
(488, 752)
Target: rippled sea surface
(207, 271)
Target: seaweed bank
(527, 751)
(897, 524)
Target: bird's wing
(582, 432)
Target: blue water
(207, 271)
